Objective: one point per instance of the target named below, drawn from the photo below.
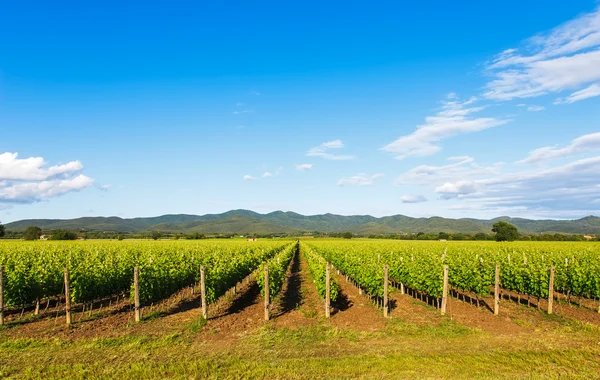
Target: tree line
(501, 231)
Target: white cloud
(248, 177)
(323, 151)
(360, 180)
(243, 111)
(566, 189)
(29, 192)
(451, 190)
(413, 199)
(455, 118)
(267, 175)
(28, 180)
(31, 169)
(535, 108)
(580, 145)
(568, 57)
(304, 167)
(461, 167)
(588, 92)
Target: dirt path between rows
(353, 310)
(233, 315)
(298, 304)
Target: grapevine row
(317, 267)
(34, 271)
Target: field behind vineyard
(173, 340)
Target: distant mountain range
(249, 222)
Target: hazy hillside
(244, 221)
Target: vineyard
(36, 273)
(202, 295)
(524, 268)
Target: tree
(196, 236)
(1, 230)
(64, 235)
(505, 231)
(32, 233)
(443, 236)
(347, 235)
(155, 235)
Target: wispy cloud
(242, 112)
(361, 179)
(588, 92)
(267, 175)
(570, 188)
(324, 149)
(535, 108)
(413, 199)
(248, 177)
(581, 145)
(105, 187)
(455, 118)
(304, 167)
(567, 57)
(460, 167)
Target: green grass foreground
(321, 351)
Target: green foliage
(505, 231)
(195, 236)
(155, 235)
(355, 259)
(63, 235)
(347, 235)
(32, 233)
(2, 232)
(277, 268)
(225, 264)
(524, 266)
(101, 269)
(317, 266)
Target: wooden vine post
(327, 292)
(386, 306)
(67, 297)
(1, 295)
(497, 291)
(445, 291)
(267, 314)
(136, 287)
(551, 291)
(203, 293)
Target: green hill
(248, 222)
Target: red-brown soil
(355, 311)
(298, 305)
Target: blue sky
(348, 107)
